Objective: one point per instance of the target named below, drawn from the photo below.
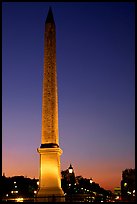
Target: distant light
(35, 192)
(129, 192)
(7, 195)
(16, 191)
(19, 199)
(91, 181)
(117, 197)
(74, 183)
(87, 190)
(81, 188)
(102, 201)
(11, 191)
(14, 181)
(15, 186)
(38, 183)
(133, 191)
(69, 184)
(125, 184)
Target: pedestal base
(50, 195)
(50, 178)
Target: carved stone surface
(50, 95)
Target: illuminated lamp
(91, 181)
(70, 169)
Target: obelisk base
(50, 195)
(50, 178)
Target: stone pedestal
(50, 178)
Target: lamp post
(91, 188)
(70, 169)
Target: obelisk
(50, 175)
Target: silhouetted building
(79, 189)
(18, 186)
(76, 188)
(128, 185)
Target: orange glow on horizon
(107, 178)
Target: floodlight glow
(19, 199)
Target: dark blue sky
(95, 45)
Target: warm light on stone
(49, 175)
(50, 167)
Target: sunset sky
(95, 46)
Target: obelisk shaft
(50, 95)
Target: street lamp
(91, 181)
(70, 169)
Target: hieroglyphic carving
(50, 96)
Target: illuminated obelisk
(50, 176)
